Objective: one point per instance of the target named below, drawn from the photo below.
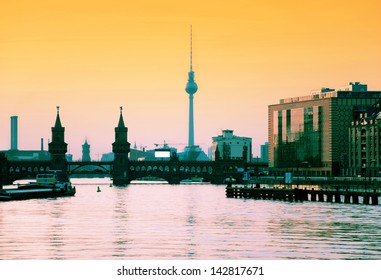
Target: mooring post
(313, 195)
(321, 196)
(347, 197)
(337, 197)
(374, 199)
(366, 198)
(355, 198)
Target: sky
(91, 57)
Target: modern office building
(365, 141)
(229, 146)
(309, 134)
(265, 152)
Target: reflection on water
(160, 221)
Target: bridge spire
(58, 120)
(121, 121)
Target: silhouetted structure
(58, 147)
(191, 88)
(122, 169)
(192, 151)
(265, 152)
(86, 151)
(14, 133)
(121, 148)
(229, 146)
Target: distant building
(365, 141)
(134, 154)
(310, 133)
(15, 155)
(229, 146)
(265, 152)
(193, 153)
(107, 157)
(210, 153)
(69, 157)
(86, 151)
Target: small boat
(46, 186)
(197, 179)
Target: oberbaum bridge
(122, 170)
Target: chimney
(14, 133)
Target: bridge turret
(58, 147)
(121, 148)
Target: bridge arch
(84, 167)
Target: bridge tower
(121, 148)
(58, 147)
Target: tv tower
(191, 89)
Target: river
(153, 220)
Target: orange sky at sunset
(91, 57)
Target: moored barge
(46, 186)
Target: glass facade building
(365, 142)
(310, 133)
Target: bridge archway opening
(90, 169)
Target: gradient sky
(91, 57)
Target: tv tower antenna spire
(191, 88)
(191, 49)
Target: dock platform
(299, 195)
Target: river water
(146, 221)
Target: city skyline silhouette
(91, 58)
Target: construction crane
(166, 145)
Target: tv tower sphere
(191, 87)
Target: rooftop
(355, 89)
